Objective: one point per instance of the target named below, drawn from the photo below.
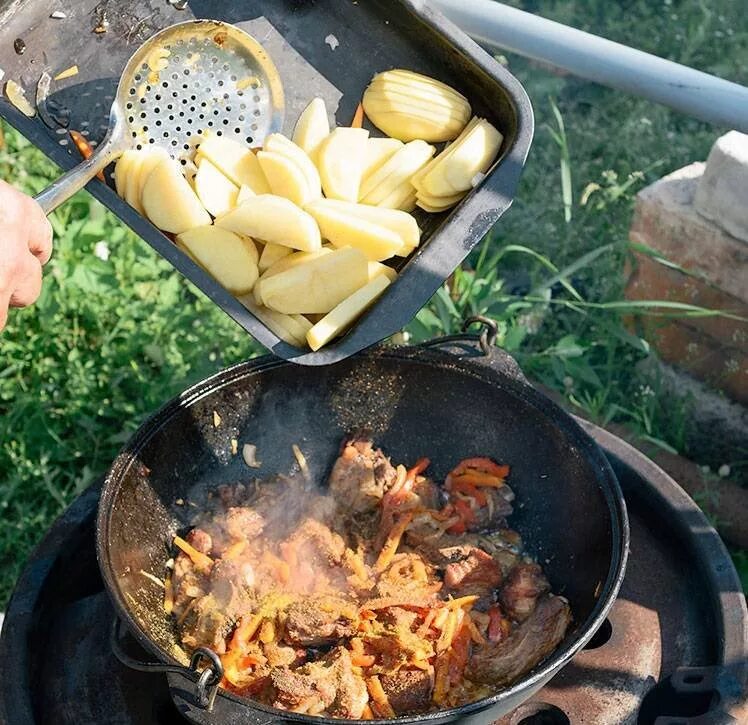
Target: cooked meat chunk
(201, 540)
(315, 542)
(360, 476)
(229, 580)
(243, 523)
(320, 621)
(423, 495)
(409, 691)
(525, 583)
(494, 514)
(475, 573)
(533, 640)
(209, 622)
(328, 685)
(279, 655)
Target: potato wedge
(273, 219)
(402, 197)
(122, 171)
(400, 222)
(345, 313)
(377, 268)
(377, 242)
(271, 253)
(317, 286)
(285, 177)
(400, 167)
(244, 193)
(279, 144)
(153, 155)
(378, 150)
(169, 201)
(235, 161)
(277, 322)
(216, 191)
(472, 155)
(340, 160)
(312, 128)
(294, 260)
(228, 258)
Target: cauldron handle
(479, 348)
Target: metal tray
(369, 35)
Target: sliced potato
(215, 190)
(153, 155)
(271, 253)
(346, 230)
(345, 313)
(122, 171)
(132, 182)
(340, 161)
(273, 219)
(377, 268)
(245, 192)
(236, 161)
(169, 201)
(294, 260)
(473, 155)
(312, 128)
(285, 177)
(402, 197)
(231, 260)
(279, 323)
(400, 222)
(409, 106)
(378, 150)
(400, 167)
(279, 144)
(318, 285)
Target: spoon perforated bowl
(192, 78)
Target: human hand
(25, 245)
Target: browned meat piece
(425, 495)
(243, 523)
(409, 691)
(525, 583)
(326, 686)
(399, 617)
(279, 655)
(320, 621)
(201, 540)
(475, 573)
(493, 515)
(208, 624)
(532, 641)
(360, 476)
(315, 542)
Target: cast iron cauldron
(452, 399)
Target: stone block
(722, 194)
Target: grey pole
(697, 94)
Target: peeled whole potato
(340, 160)
(271, 253)
(318, 285)
(312, 128)
(285, 177)
(377, 242)
(235, 161)
(378, 150)
(472, 155)
(274, 219)
(346, 312)
(229, 259)
(409, 106)
(169, 201)
(216, 191)
(399, 168)
(400, 222)
(279, 144)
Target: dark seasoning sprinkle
(19, 46)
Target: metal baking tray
(329, 48)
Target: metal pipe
(689, 91)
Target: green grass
(111, 340)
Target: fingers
(40, 233)
(28, 282)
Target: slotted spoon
(186, 80)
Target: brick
(723, 189)
(666, 220)
(684, 347)
(650, 280)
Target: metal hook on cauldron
(488, 334)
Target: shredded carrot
(440, 618)
(466, 601)
(468, 489)
(356, 563)
(485, 465)
(475, 478)
(419, 570)
(168, 595)
(235, 550)
(448, 631)
(441, 678)
(421, 664)
(289, 554)
(267, 631)
(358, 117)
(84, 148)
(367, 614)
(392, 542)
(247, 628)
(200, 560)
(444, 514)
(427, 622)
(367, 714)
(379, 697)
(363, 660)
(475, 634)
(280, 568)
